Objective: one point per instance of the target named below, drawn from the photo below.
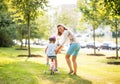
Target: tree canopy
(7, 25)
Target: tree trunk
(29, 51)
(94, 39)
(26, 42)
(21, 46)
(116, 27)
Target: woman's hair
(59, 33)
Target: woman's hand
(58, 50)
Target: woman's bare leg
(74, 64)
(68, 62)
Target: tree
(112, 8)
(29, 9)
(91, 14)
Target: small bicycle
(51, 65)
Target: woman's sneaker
(70, 72)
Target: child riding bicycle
(51, 53)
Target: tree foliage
(113, 12)
(31, 7)
(113, 6)
(91, 11)
(7, 25)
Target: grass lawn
(23, 70)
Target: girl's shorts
(52, 57)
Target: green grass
(32, 73)
(91, 69)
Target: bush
(5, 40)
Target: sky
(60, 2)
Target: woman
(73, 50)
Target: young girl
(51, 50)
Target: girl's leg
(47, 60)
(69, 62)
(55, 63)
(74, 64)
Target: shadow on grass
(21, 49)
(95, 54)
(113, 57)
(26, 72)
(65, 79)
(32, 55)
(114, 63)
(113, 60)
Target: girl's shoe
(47, 63)
(55, 69)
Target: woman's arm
(63, 40)
(64, 37)
(59, 49)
